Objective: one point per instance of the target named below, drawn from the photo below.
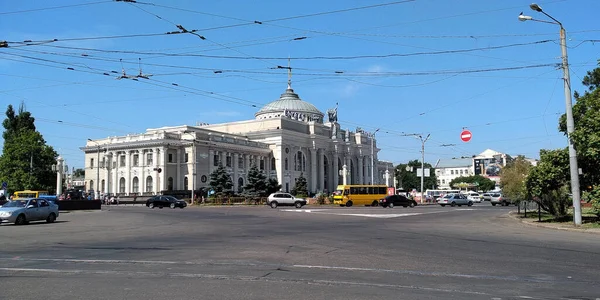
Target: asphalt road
(312, 253)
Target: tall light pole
(373, 155)
(574, 170)
(96, 193)
(423, 162)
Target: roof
(291, 102)
(454, 163)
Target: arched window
(135, 185)
(240, 185)
(185, 183)
(170, 184)
(149, 184)
(103, 185)
(122, 185)
(273, 163)
(299, 162)
(92, 187)
(286, 164)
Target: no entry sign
(465, 135)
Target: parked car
(23, 211)
(454, 199)
(393, 200)
(486, 196)
(499, 198)
(165, 201)
(280, 198)
(473, 196)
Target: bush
(593, 197)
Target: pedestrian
(134, 199)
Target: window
(240, 162)
(216, 160)
(92, 187)
(228, 160)
(185, 183)
(262, 164)
(286, 165)
(121, 160)
(240, 185)
(451, 172)
(149, 161)
(186, 158)
(136, 160)
(353, 190)
(170, 184)
(273, 163)
(149, 184)
(461, 172)
(170, 157)
(443, 181)
(122, 185)
(103, 185)
(91, 162)
(135, 187)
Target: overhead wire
(52, 7)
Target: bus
(29, 194)
(348, 195)
(435, 194)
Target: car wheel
(342, 205)
(412, 204)
(453, 204)
(51, 218)
(160, 206)
(151, 205)
(375, 204)
(493, 204)
(391, 205)
(273, 204)
(470, 203)
(298, 205)
(172, 205)
(349, 203)
(21, 220)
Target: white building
(449, 169)
(287, 137)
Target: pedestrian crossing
(386, 214)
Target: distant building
(448, 169)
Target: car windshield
(338, 192)
(15, 203)
(449, 196)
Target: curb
(514, 215)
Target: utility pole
(423, 162)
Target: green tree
(548, 182)
(513, 177)
(273, 186)
(409, 180)
(301, 188)
(256, 185)
(586, 137)
(26, 161)
(475, 181)
(79, 173)
(220, 182)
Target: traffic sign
(465, 135)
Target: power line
(50, 8)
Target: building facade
(287, 138)
(488, 163)
(448, 170)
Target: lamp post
(574, 170)
(193, 165)
(373, 155)
(96, 193)
(423, 162)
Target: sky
(424, 67)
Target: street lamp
(372, 155)
(193, 164)
(96, 194)
(574, 170)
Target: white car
(454, 199)
(475, 197)
(25, 210)
(281, 198)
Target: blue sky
(424, 66)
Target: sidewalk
(558, 226)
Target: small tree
(482, 183)
(273, 186)
(221, 182)
(300, 189)
(547, 183)
(256, 185)
(513, 179)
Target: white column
(222, 158)
(387, 178)
(156, 177)
(178, 180)
(211, 161)
(313, 170)
(142, 178)
(336, 178)
(360, 170)
(321, 168)
(163, 166)
(234, 178)
(59, 175)
(345, 174)
(369, 168)
(115, 174)
(128, 171)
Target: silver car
(454, 199)
(281, 198)
(25, 210)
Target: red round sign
(465, 135)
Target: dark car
(393, 200)
(165, 201)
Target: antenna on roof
(289, 74)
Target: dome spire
(289, 87)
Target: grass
(588, 218)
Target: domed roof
(291, 103)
